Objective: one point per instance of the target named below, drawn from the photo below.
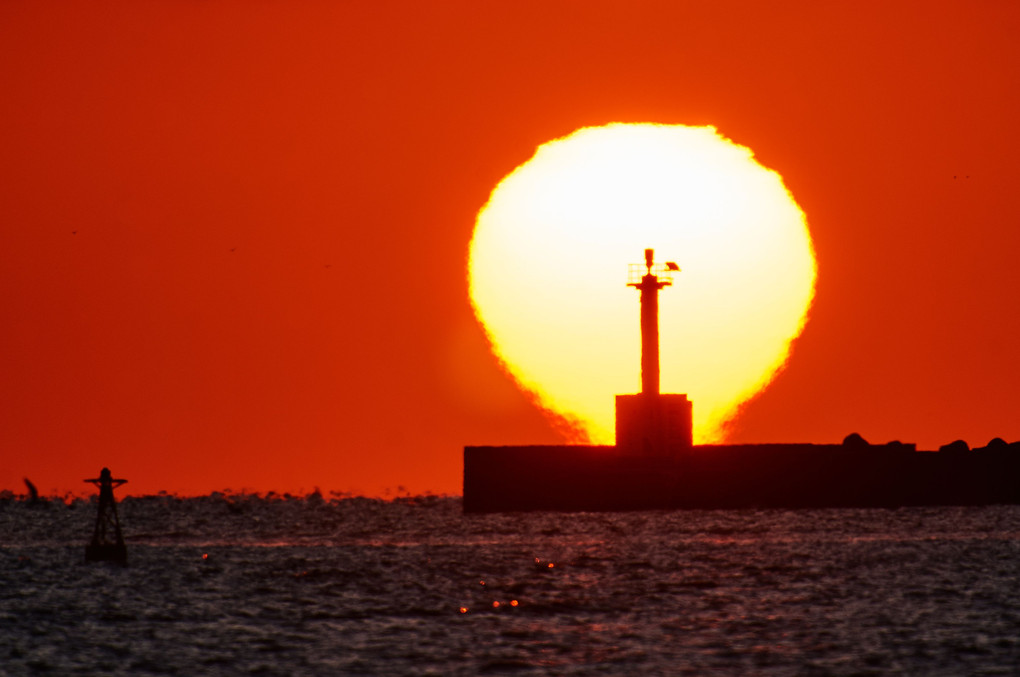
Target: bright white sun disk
(548, 264)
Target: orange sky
(233, 234)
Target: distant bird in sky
(672, 266)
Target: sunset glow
(548, 268)
(235, 237)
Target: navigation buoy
(107, 542)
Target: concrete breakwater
(852, 474)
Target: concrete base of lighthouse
(653, 424)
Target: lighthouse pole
(650, 285)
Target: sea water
(276, 585)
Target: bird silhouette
(672, 266)
(33, 493)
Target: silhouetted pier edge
(852, 474)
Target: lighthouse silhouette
(654, 464)
(650, 422)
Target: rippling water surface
(281, 586)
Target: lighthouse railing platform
(637, 271)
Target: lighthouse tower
(650, 422)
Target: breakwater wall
(606, 478)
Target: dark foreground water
(306, 586)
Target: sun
(547, 271)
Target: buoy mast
(107, 543)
